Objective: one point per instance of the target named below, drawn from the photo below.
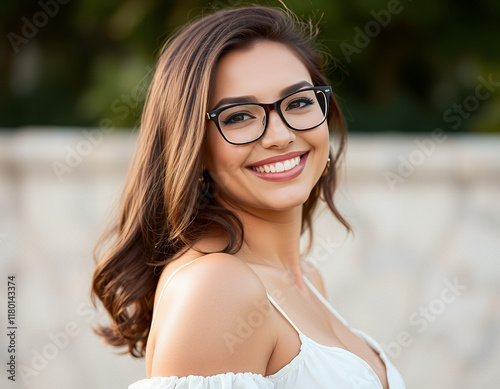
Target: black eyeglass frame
(214, 115)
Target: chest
(340, 349)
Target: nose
(277, 134)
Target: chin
(285, 202)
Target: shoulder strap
(166, 283)
(325, 302)
(283, 313)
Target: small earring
(326, 167)
(204, 180)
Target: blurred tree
(401, 65)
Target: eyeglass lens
(302, 110)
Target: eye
(237, 118)
(299, 103)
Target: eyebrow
(251, 98)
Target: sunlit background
(419, 83)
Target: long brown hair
(164, 207)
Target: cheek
(223, 160)
(320, 139)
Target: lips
(280, 168)
(279, 158)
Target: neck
(272, 238)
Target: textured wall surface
(421, 273)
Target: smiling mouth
(278, 167)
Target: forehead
(262, 70)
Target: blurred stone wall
(421, 273)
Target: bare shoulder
(213, 318)
(314, 275)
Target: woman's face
(264, 74)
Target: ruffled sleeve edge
(237, 380)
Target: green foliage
(91, 59)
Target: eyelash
(229, 121)
(302, 99)
(298, 100)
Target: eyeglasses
(244, 123)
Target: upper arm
(313, 274)
(213, 318)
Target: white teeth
(278, 167)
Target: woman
(204, 277)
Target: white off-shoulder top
(316, 366)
